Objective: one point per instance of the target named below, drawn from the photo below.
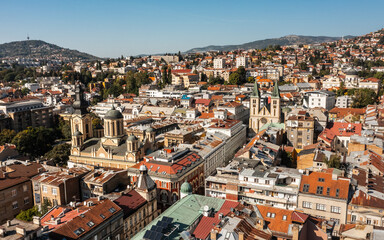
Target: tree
(238, 77)
(341, 91)
(59, 154)
(6, 136)
(28, 214)
(287, 159)
(363, 97)
(333, 162)
(64, 129)
(34, 142)
(25, 91)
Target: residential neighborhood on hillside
(218, 143)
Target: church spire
(255, 92)
(276, 92)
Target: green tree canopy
(28, 214)
(34, 142)
(333, 162)
(363, 97)
(59, 154)
(6, 136)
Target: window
(273, 215)
(307, 204)
(112, 210)
(45, 189)
(90, 224)
(25, 187)
(320, 207)
(54, 191)
(15, 205)
(102, 216)
(319, 190)
(267, 182)
(328, 190)
(305, 187)
(369, 221)
(321, 179)
(246, 179)
(268, 214)
(256, 180)
(284, 217)
(335, 209)
(14, 193)
(353, 218)
(79, 231)
(337, 192)
(26, 200)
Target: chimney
(295, 232)
(241, 236)
(5, 174)
(213, 234)
(36, 220)
(260, 223)
(9, 223)
(21, 231)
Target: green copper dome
(186, 188)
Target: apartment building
(58, 188)
(95, 218)
(16, 188)
(101, 182)
(325, 194)
(169, 169)
(139, 204)
(218, 63)
(324, 99)
(27, 113)
(250, 181)
(300, 130)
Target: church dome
(186, 188)
(113, 114)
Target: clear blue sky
(111, 28)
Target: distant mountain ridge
(40, 49)
(260, 44)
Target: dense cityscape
(284, 142)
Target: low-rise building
(326, 195)
(16, 193)
(250, 181)
(92, 219)
(58, 188)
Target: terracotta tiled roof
(130, 202)
(106, 207)
(274, 218)
(338, 188)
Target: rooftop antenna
(27, 36)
